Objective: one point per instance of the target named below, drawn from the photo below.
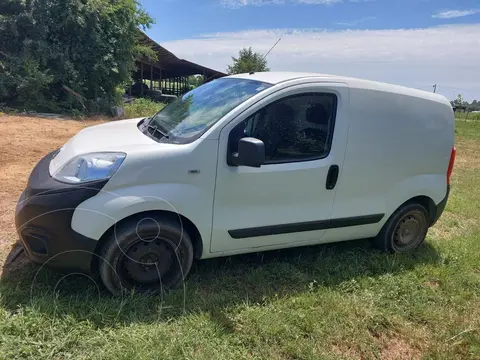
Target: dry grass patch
(396, 348)
(468, 154)
(23, 142)
(453, 225)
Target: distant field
(468, 116)
(339, 301)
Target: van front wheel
(146, 254)
(405, 230)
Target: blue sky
(410, 42)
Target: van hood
(114, 136)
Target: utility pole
(435, 88)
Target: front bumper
(43, 219)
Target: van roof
(275, 77)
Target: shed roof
(172, 66)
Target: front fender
(95, 216)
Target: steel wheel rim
(409, 231)
(148, 263)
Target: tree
(195, 81)
(68, 55)
(247, 61)
(474, 106)
(459, 100)
(458, 103)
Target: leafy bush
(142, 107)
(68, 55)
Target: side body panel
(398, 148)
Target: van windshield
(188, 117)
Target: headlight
(90, 167)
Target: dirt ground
(23, 142)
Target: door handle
(332, 177)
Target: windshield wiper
(156, 129)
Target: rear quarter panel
(398, 147)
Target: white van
(244, 163)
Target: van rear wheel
(405, 230)
(146, 254)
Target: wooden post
(160, 80)
(141, 77)
(151, 77)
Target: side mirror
(251, 152)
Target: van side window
(296, 128)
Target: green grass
(142, 107)
(338, 301)
(467, 129)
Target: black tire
(405, 230)
(146, 254)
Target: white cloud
(319, 2)
(450, 14)
(356, 22)
(446, 55)
(236, 4)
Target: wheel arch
(427, 202)
(187, 224)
